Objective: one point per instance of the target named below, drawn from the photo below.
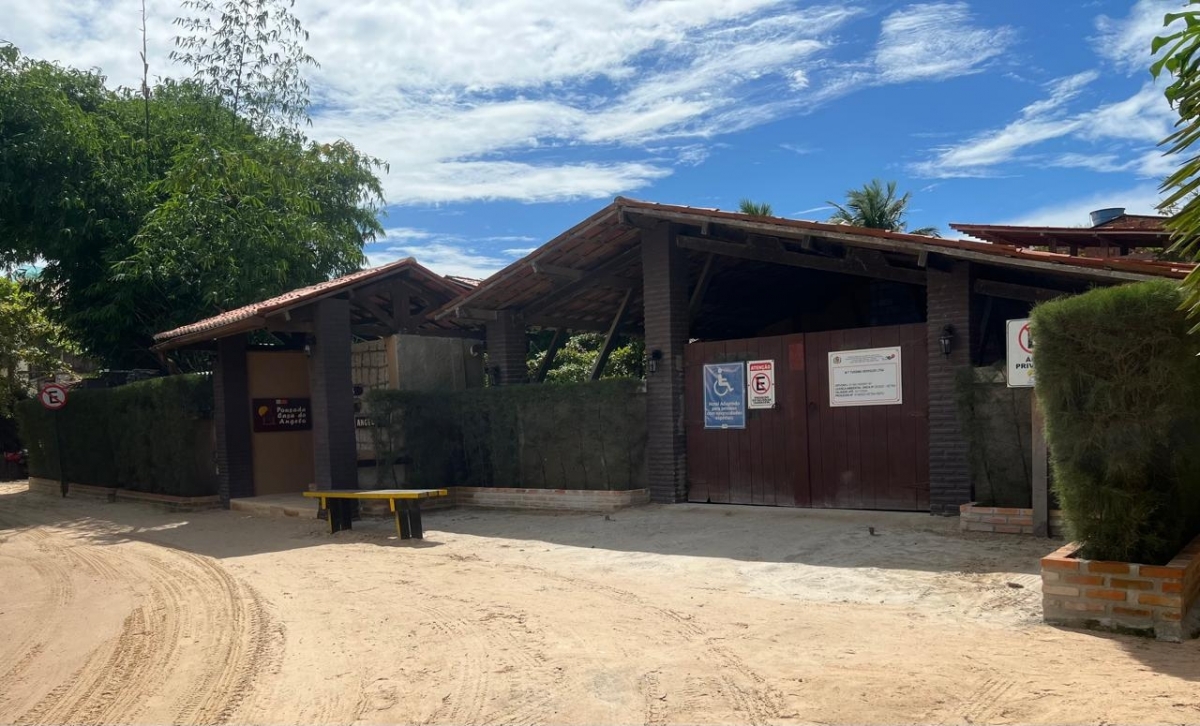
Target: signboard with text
(1020, 354)
(725, 396)
(761, 374)
(53, 396)
(867, 377)
(282, 414)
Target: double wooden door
(804, 452)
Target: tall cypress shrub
(1119, 382)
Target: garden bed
(111, 494)
(1123, 596)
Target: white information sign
(868, 377)
(1020, 354)
(760, 384)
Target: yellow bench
(338, 502)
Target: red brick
(1113, 568)
(1060, 590)
(1023, 521)
(1165, 600)
(1174, 615)
(1166, 573)
(994, 520)
(1088, 607)
(1008, 529)
(979, 510)
(1102, 594)
(1131, 584)
(1060, 563)
(1008, 511)
(1172, 587)
(1132, 612)
(1083, 579)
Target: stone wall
(1123, 596)
(573, 500)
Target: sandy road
(114, 613)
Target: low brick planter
(1005, 520)
(1123, 596)
(110, 494)
(575, 500)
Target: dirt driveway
(116, 613)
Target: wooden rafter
(611, 338)
(560, 337)
(852, 266)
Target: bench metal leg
(408, 519)
(341, 514)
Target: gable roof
(253, 316)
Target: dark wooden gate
(805, 453)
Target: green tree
(755, 209)
(253, 58)
(28, 337)
(877, 206)
(138, 234)
(1180, 59)
(574, 361)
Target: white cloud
(1073, 212)
(1125, 42)
(933, 41)
(1136, 123)
(924, 42)
(442, 253)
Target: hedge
(147, 436)
(549, 436)
(1119, 382)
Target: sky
(505, 122)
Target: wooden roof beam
(1011, 291)
(851, 266)
(588, 279)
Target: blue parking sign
(725, 396)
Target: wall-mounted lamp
(655, 357)
(946, 340)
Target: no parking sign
(761, 386)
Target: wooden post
(1041, 473)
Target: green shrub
(147, 436)
(1119, 381)
(550, 436)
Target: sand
(118, 613)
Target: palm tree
(755, 209)
(877, 207)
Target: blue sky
(507, 121)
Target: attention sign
(1020, 354)
(725, 396)
(761, 393)
(867, 377)
(282, 414)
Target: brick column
(508, 349)
(948, 303)
(664, 279)
(335, 453)
(231, 419)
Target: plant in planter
(1119, 382)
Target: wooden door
(869, 457)
(767, 462)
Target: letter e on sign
(1020, 354)
(53, 396)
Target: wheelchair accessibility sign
(725, 396)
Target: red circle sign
(53, 396)
(761, 383)
(1025, 338)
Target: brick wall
(665, 283)
(1003, 520)
(335, 456)
(948, 301)
(1122, 596)
(508, 349)
(576, 500)
(231, 419)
